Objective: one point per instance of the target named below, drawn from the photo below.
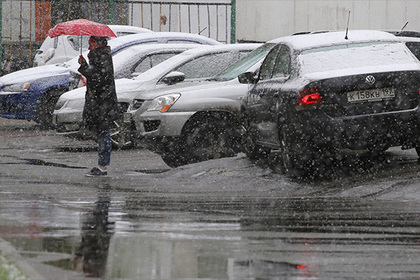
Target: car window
(74, 41)
(209, 65)
(152, 60)
(245, 63)
(268, 64)
(414, 48)
(282, 65)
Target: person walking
(101, 105)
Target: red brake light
(308, 97)
(82, 81)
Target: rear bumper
(400, 128)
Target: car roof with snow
(120, 59)
(313, 40)
(123, 30)
(123, 42)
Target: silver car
(196, 122)
(194, 64)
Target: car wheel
(173, 160)
(121, 135)
(174, 154)
(252, 150)
(210, 139)
(45, 109)
(300, 156)
(418, 151)
(287, 151)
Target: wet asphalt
(222, 219)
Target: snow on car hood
(30, 74)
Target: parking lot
(226, 219)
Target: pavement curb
(7, 250)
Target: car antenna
(403, 27)
(202, 30)
(347, 29)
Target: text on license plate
(370, 94)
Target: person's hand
(82, 60)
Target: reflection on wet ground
(208, 223)
(137, 235)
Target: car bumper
(400, 128)
(156, 124)
(68, 122)
(19, 105)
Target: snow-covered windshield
(357, 55)
(244, 63)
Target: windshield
(349, 56)
(244, 63)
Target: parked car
(198, 63)
(32, 93)
(63, 48)
(135, 60)
(321, 93)
(197, 121)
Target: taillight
(82, 81)
(308, 99)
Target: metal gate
(25, 23)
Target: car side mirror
(173, 78)
(135, 74)
(247, 78)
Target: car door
(276, 98)
(258, 100)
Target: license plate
(370, 95)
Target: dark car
(317, 94)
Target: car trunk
(353, 95)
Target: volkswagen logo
(370, 80)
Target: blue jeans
(104, 148)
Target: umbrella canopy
(81, 27)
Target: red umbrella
(81, 27)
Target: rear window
(354, 56)
(414, 47)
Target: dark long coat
(101, 105)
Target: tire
(288, 155)
(174, 154)
(300, 156)
(297, 155)
(418, 151)
(252, 150)
(210, 139)
(46, 105)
